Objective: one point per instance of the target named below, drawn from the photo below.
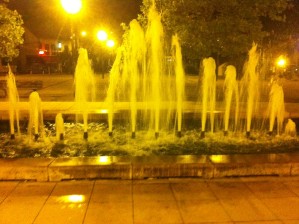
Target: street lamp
(110, 43)
(71, 6)
(102, 35)
(281, 62)
(83, 33)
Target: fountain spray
(59, 124)
(208, 93)
(250, 80)
(35, 116)
(231, 89)
(155, 39)
(135, 56)
(180, 80)
(115, 74)
(84, 86)
(13, 99)
(276, 107)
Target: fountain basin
(113, 167)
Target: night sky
(46, 18)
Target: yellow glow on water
(102, 111)
(71, 6)
(74, 198)
(219, 158)
(105, 160)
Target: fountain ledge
(185, 166)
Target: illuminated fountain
(142, 77)
(59, 126)
(13, 99)
(84, 86)
(208, 93)
(36, 124)
(231, 90)
(250, 82)
(276, 108)
(146, 104)
(180, 81)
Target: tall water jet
(276, 107)
(208, 93)
(180, 80)
(155, 40)
(115, 74)
(230, 90)
(144, 78)
(35, 116)
(84, 86)
(135, 56)
(13, 99)
(250, 82)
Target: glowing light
(83, 33)
(71, 6)
(110, 43)
(219, 158)
(102, 35)
(102, 111)
(59, 45)
(74, 198)
(104, 160)
(41, 52)
(281, 62)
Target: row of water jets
(154, 87)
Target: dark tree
(218, 28)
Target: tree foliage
(11, 32)
(222, 28)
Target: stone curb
(114, 167)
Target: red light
(41, 52)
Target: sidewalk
(268, 200)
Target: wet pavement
(270, 200)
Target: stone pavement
(260, 200)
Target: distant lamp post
(71, 6)
(110, 43)
(281, 62)
(102, 35)
(83, 33)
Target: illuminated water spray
(208, 93)
(13, 99)
(250, 82)
(180, 80)
(59, 125)
(36, 123)
(115, 74)
(154, 40)
(230, 91)
(135, 58)
(276, 107)
(84, 86)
